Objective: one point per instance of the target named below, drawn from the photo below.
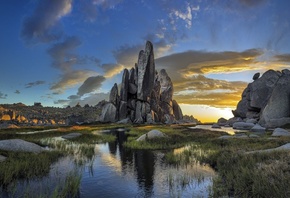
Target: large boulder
(278, 105)
(109, 113)
(256, 95)
(267, 99)
(20, 145)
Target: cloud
(190, 63)
(218, 99)
(282, 58)
(127, 55)
(91, 84)
(38, 26)
(206, 91)
(202, 83)
(17, 92)
(36, 83)
(62, 55)
(3, 96)
(70, 79)
(92, 99)
(111, 70)
(74, 97)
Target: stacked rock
(145, 95)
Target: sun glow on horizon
(206, 113)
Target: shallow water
(228, 130)
(113, 171)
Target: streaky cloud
(91, 84)
(70, 79)
(62, 55)
(36, 83)
(38, 27)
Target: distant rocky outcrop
(267, 99)
(146, 96)
(19, 115)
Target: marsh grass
(177, 136)
(22, 165)
(241, 174)
(70, 188)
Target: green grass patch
(21, 165)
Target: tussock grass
(21, 165)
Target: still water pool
(114, 171)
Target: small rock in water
(258, 128)
(280, 132)
(71, 135)
(216, 126)
(2, 158)
(151, 135)
(243, 125)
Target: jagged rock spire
(145, 96)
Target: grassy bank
(239, 174)
(177, 136)
(21, 165)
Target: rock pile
(267, 99)
(146, 96)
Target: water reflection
(111, 170)
(228, 130)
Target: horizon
(210, 49)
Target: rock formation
(267, 99)
(146, 96)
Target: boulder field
(266, 100)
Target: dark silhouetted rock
(222, 121)
(114, 95)
(177, 110)
(124, 86)
(256, 76)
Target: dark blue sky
(210, 48)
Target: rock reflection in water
(111, 170)
(143, 173)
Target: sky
(61, 52)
